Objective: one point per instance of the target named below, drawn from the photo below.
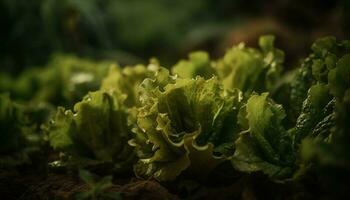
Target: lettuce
(316, 112)
(96, 132)
(314, 69)
(198, 64)
(266, 146)
(12, 136)
(127, 81)
(333, 150)
(250, 69)
(237, 114)
(181, 126)
(328, 156)
(18, 138)
(64, 81)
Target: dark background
(132, 31)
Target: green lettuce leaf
(18, 136)
(314, 69)
(64, 81)
(316, 114)
(266, 146)
(198, 64)
(128, 80)
(12, 137)
(96, 132)
(333, 150)
(71, 78)
(300, 85)
(328, 156)
(182, 125)
(250, 69)
(339, 77)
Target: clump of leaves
(96, 132)
(325, 105)
(266, 146)
(181, 125)
(97, 188)
(329, 152)
(198, 64)
(128, 79)
(187, 123)
(18, 137)
(250, 69)
(269, 145)
(64, 81)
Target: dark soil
(62, 186)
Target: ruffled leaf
(251, 69)
(181, 125)
(97, 130)
(318, 106)
(18, 136)
(266, 146)
(127, 81)
(198, 64)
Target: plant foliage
(189, 121)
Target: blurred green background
(131, 31)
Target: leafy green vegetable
(299, 88)
(198, 65)
(251, 69)
(333, 150)
(314, 69)
(11, 118)
(64, 81)
(97, 188)
(181, 125)
(128, 79)
(325, 149)
(317, 107)
(266, 146)
(17, 137)
(96, 132)
(229, 114)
